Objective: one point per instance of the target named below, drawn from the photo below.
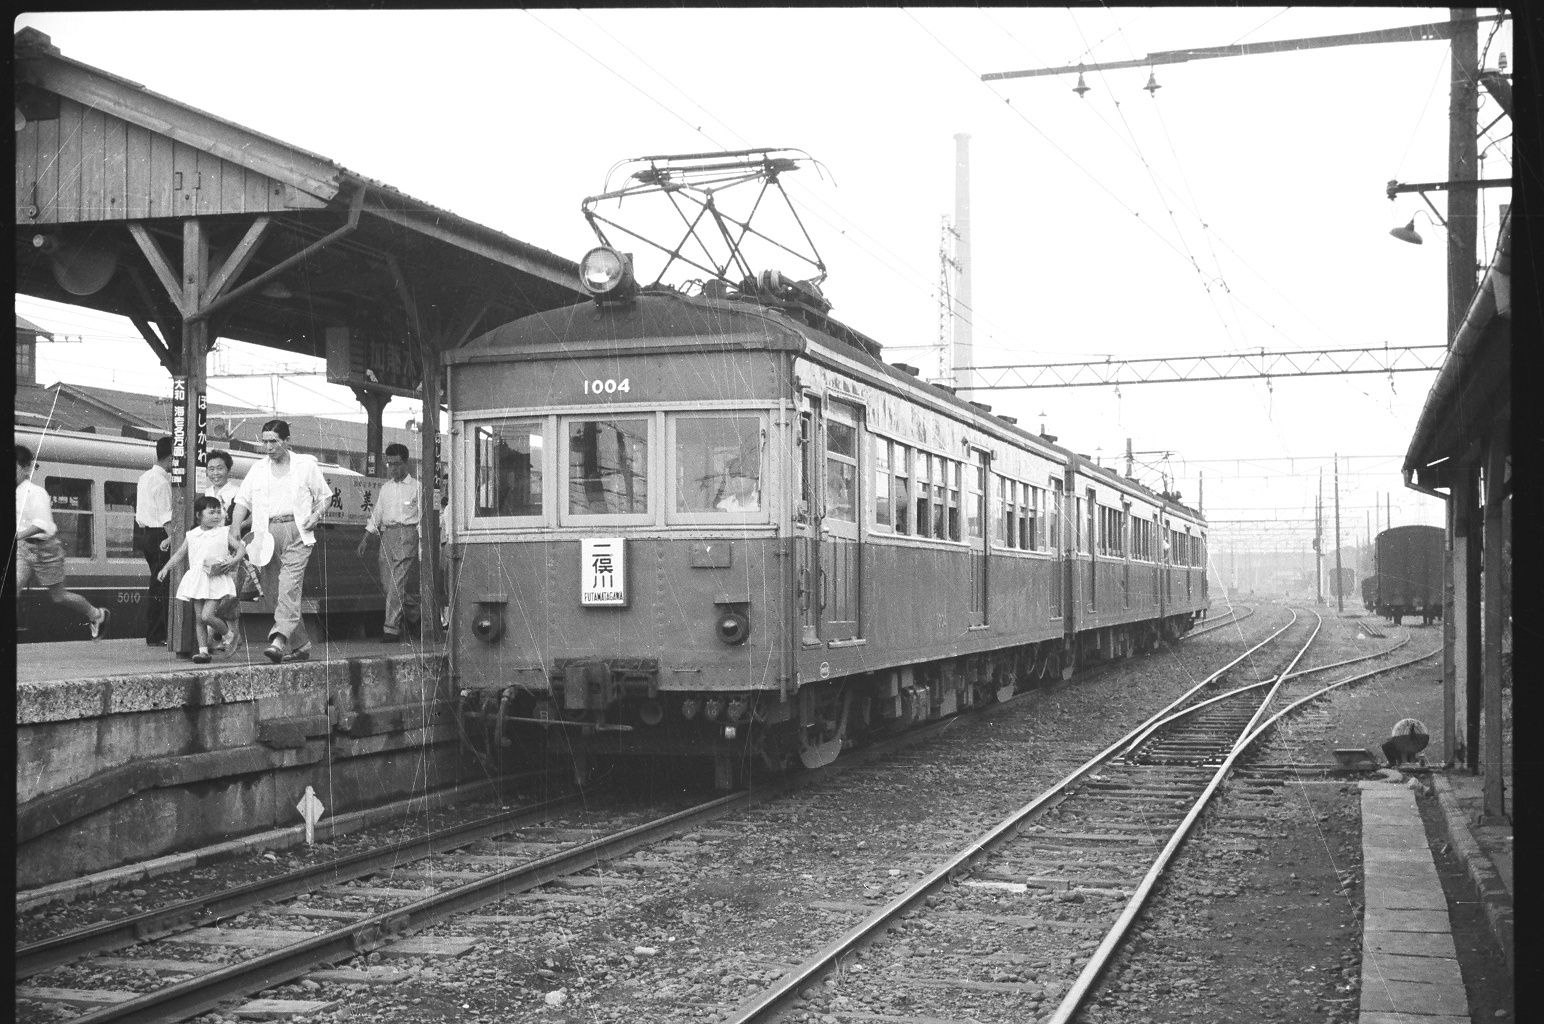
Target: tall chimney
(964, 357)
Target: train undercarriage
(598, 712)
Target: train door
(1058, 545)
(839, 548)
(1092, 512)
(1125, 554)
(977, 530)
(807, 522)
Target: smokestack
(964, 357)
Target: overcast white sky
(1240, 208)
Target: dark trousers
(156, 598)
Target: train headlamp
(732, 627)
(607, 274)
(488, 622)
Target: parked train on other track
(1407, 579)
(92, 480)
(720, 525)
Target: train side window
(952, 520)
(1032, 533)
(118, 518)
(925, 469)
(902, 495)
(717, 463)
(841, 470)
(883, 518)
(70, 498)
(608, 466)
(507, 469)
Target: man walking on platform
(286, 496)
(152, 515)
(395, 520)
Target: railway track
(519, 883)
(1097, 842)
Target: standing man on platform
(285, 495)
(152, 515)
(395, 520)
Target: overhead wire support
(1402, 34)
(1222, 366)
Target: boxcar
(1409, 573)
(721, 526)
(91, 480)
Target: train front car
(620, 491)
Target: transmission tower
(948, 266)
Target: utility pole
(1318, 542)
(1340, 591)
(1128, 457)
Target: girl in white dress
(210, 576)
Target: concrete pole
(964, 345)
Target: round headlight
(733, 627)
(603, 271)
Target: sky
(1240, 207)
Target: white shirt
(295, 493)
(396, 505)
(34, 508)
(153, 498)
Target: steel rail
(37, 957)
(201, 994)
(1073, 1000)
(1234, 620)
(198, 995)
(765, 1003)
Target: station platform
(1410, 967)
(116, 659)
(126, 752)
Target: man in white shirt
(394, 519)
(285, 495)
(39, 555)
(152, 515)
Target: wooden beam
(238, 260)
(158, 262)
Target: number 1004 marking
(608, 386)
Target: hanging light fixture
(1407, 232)
(1152, 85)
(1081, 87)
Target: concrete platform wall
(119, 769)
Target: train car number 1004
(607, 386)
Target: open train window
(71, 501)
(718, 466)
(507, 466)
(607, 462)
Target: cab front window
(718, 464)
(608, 466)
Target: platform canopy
(299, 252)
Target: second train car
(719, 525)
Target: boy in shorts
(39, 555)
